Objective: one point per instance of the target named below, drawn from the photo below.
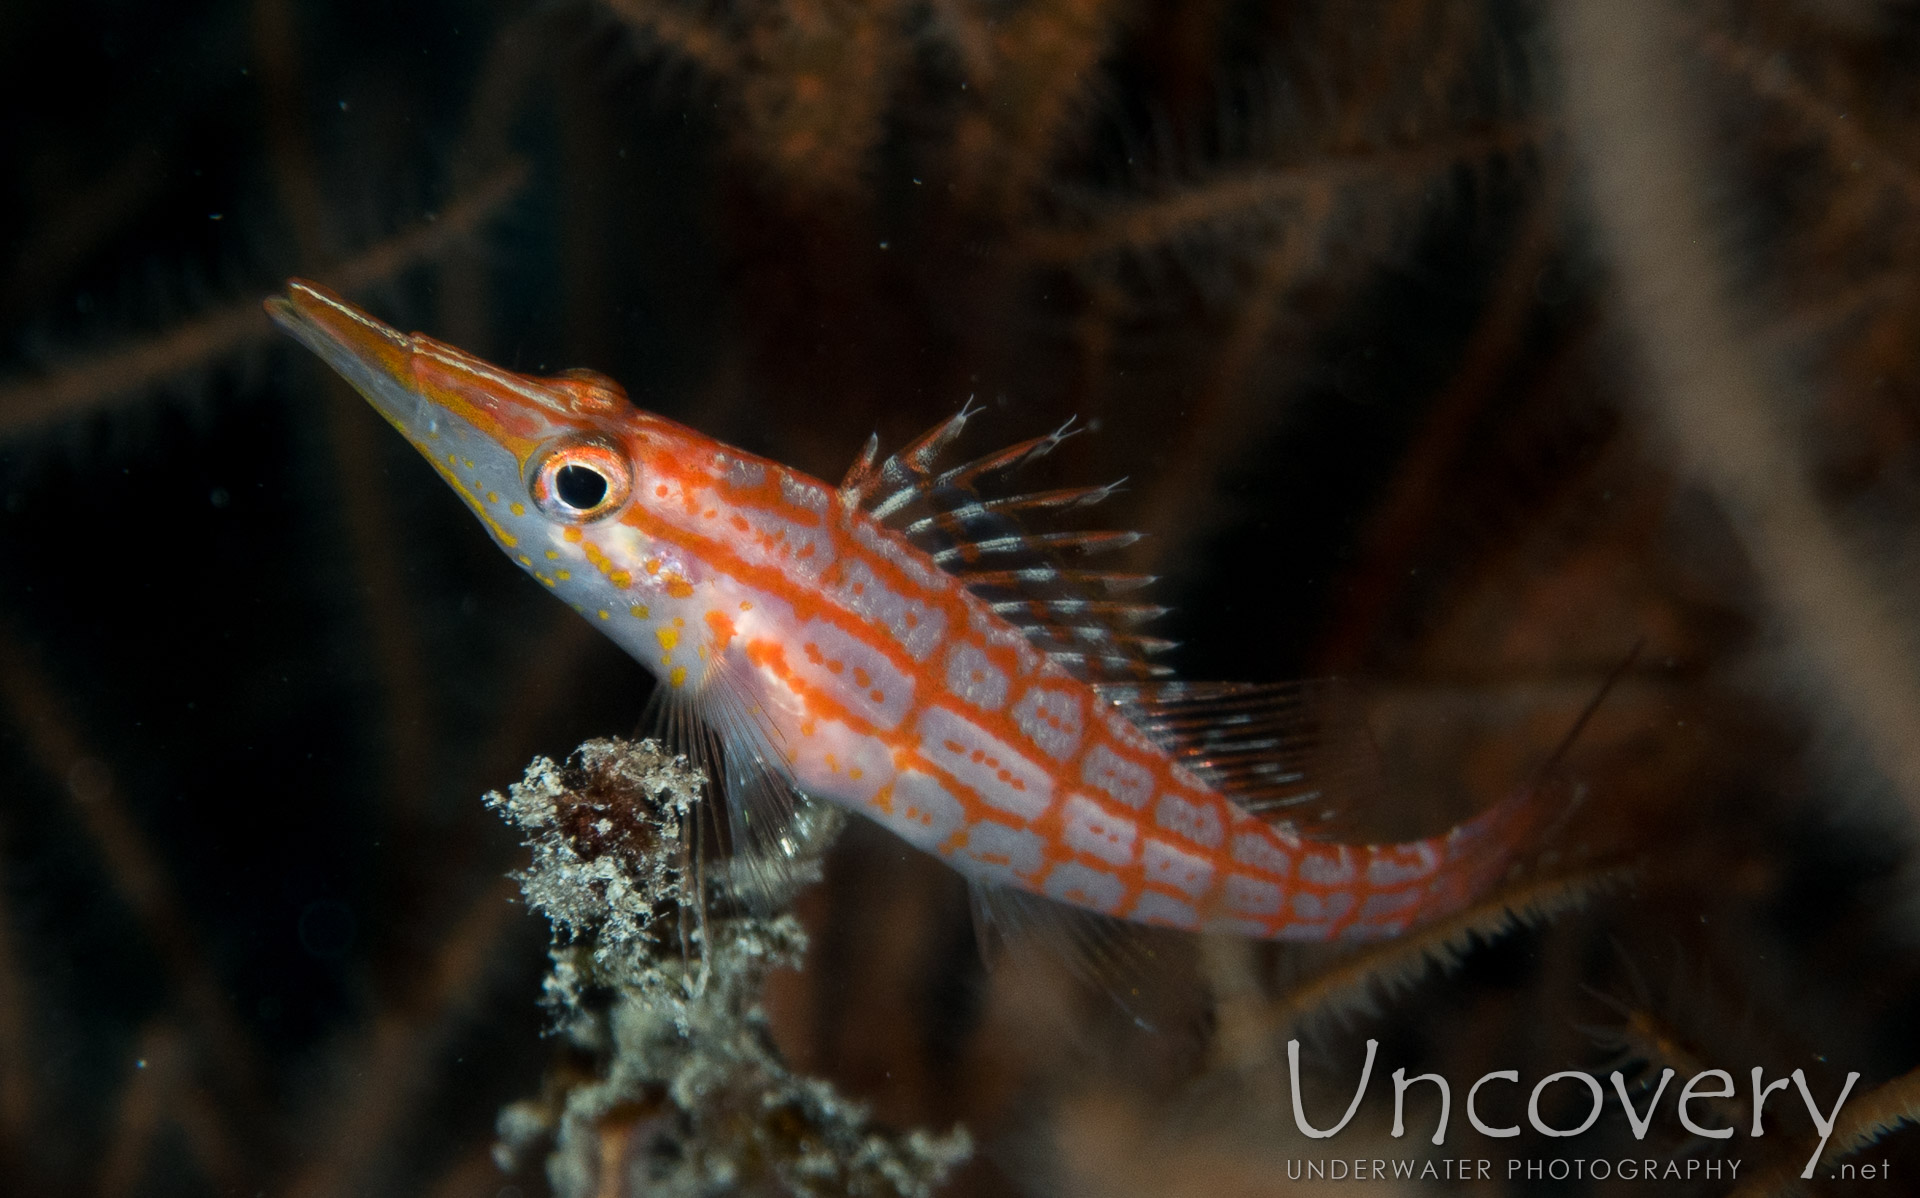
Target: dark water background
(1329, 284)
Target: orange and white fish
(901, 646)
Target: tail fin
(1294, 755)
(1478, 854)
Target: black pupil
(579, 487)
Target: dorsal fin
(1295, 753)
(1302, 754)
(868, 484)
(1068, 613)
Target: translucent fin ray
(772, 828)
(1120, 959)
(1293, 752)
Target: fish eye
(580, 479)
(579, 487)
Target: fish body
(805, 626)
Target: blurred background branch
(1452, 347)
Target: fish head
(552, 466)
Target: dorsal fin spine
(1112, 583)
(1038, 501)
(860, 474)
(967, 474)
(1127, 613)
(1066, 497)
(1057, 542)
(984, 543)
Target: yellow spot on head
(745, 606)
(679, 676)
(621, 579)
(572, 535)
(652, 565)
(467, 462)
(639, 611)
(518, 509)
(452, 460)
(525, 560)
(493, 497)
(553, 555)
(564, 575)
(679, 587)
(603, 614)
(668, 637)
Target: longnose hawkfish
(902, 646)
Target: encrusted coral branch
(688, 1093)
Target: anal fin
(1147, 972)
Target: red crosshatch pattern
(882, 682)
